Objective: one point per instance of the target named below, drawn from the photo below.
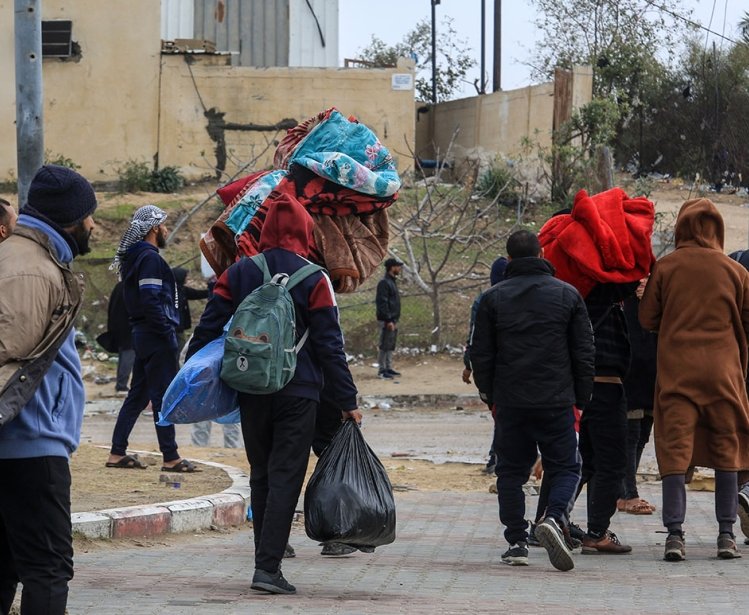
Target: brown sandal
(638, 507)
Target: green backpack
(260, 348)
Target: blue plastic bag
(197, 393)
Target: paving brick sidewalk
(446, 560)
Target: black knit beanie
(62, 195)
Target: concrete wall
(250, 98)
(496, 123)
(102, 109)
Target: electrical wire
(689, 21)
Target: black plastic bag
(349, 498)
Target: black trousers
(520, 433)
(638, 434)
(277, 434)
(603, 447)
(36, 536)
(152, 374)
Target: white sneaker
(744, 509)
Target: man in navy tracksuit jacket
(150, 296)
(278, 428)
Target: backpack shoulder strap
(260, 262)
(302, 273)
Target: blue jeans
(520, 434)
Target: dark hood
(498, 270)
(699, 224)
(287, 226)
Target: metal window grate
(57, 39)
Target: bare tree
(450, 237)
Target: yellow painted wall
(265, 96)
(103, 109)
(498, 122)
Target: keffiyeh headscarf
(146, 218)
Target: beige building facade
(119, 99)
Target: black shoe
(384, 375)
(270, 582)
(336, 548)
(572, 543)
(576, 532)
(550, 536)
(366, 549)
(532, 540)
(289, 552)
(516, 555)
(392, 372)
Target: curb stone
(224, 509)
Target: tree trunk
(436, 318)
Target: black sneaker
(516, 555)
(532, 540)
(384, 375)
(675, 550)
(572, 542)
(576, 532)
(270, 582)
(550, 536)
(336, 548)
(744, 509)
(392, 372)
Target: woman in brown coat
(697, 299)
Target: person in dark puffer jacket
(278, 428)
(532, 355)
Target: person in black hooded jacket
(533, 356)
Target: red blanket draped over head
(605, 239)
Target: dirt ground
(96, 487)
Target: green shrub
(166, 180)
(134, 176)
(498, 182)
(60, 160)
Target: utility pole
(497, 68)
(434, 51)
(29, 99)
(482, 88)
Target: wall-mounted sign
(402, 81)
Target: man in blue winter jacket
(150, 294)
(278, 428)
(40, 377)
